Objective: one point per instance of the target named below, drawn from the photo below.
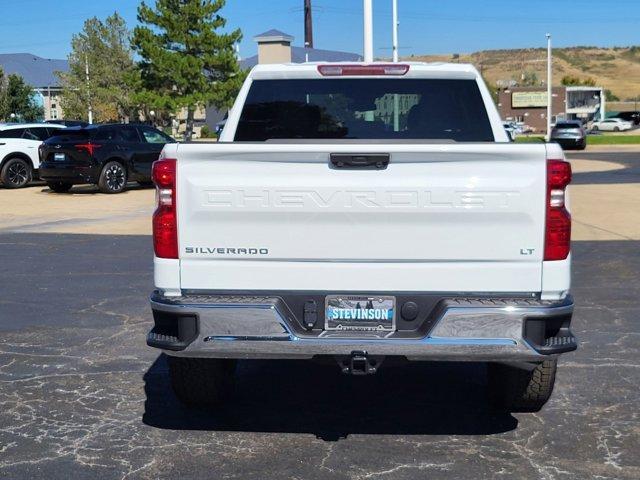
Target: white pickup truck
(363, 212)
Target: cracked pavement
(81, 396)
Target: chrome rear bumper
(466, 329)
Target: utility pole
(308, 25)
(86, 71)
(549, 86)
(368, 43)
(394, 47)
(368, 30)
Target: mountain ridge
(616, 68)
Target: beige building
(51, 102)
(274, 47)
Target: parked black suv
(633, 117)
(108, 155)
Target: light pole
(86, 71)
(395, 30)
(549, 86)
(394, 47)
(368, 30)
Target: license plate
(364, 313)
(59, 157)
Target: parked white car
(612, 125)
(19, 142)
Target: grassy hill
(617, 69)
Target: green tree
(610, 96)
(112, 72)
(18, 98)
(3, 96)
(186, 61)
(529, 79)
(569, 80)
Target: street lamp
(549, 86)
(394, 47)
(368, 30)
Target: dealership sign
(528, 99)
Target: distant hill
(617, 69)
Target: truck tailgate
(442, 218)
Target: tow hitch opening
(359, 363)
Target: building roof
(273, 35)
(299, 55)
(36, 71)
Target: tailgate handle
(361, 161)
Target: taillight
(557, 241)
(338, 70)
(165, 218)
(88, 147)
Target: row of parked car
(572, 134)
(107, 155)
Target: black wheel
(16, 173)
(523, 388)
(200, 382)
(616, 129)
(113, 178)
(59, 187)
(595, 128)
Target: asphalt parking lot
(81, 396)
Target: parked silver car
(569, 134)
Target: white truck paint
(274, 220)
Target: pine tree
(105, 47)
(186, 62)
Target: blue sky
(44, 27)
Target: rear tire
(59, 187)
(113, 178)
(616, 129)
(201, 382)
(16, 173)
(595, 128)
(519, 389)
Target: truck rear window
(366, 108)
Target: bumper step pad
(559, 344)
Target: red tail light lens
(557, 244)
(558, 174)
(165, 218)
(88, 147)
(338, 70)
